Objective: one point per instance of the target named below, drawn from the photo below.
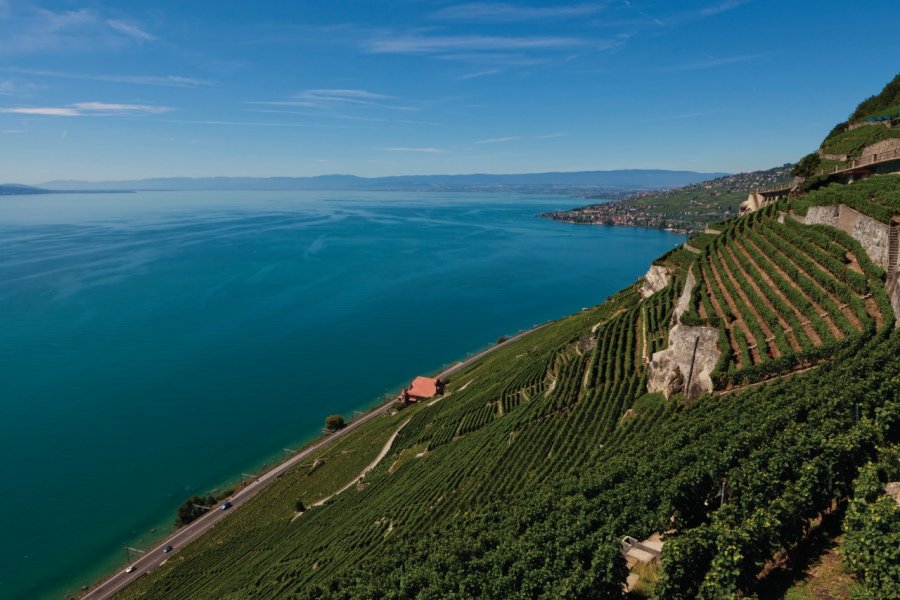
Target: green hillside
(872, 114)
(687, 209)
(522, 480)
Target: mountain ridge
(619, 178)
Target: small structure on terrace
(422, 388)
(761, 198)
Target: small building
(423, 388)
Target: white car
(131, 569)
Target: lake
(156, 345)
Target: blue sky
(108, 90)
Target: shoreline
(116, 581)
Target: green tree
(807, 166)
(334, 422)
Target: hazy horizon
(101, 91)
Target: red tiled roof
(423, 387)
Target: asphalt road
(187, 534)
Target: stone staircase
(893, 248)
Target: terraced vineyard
(519, 481)
(787, 294)
(546, 405)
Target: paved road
(187, 534)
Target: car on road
(131, 569)
(167, 548)
(225, 506)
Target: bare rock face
(685, 366)
(892, 489)
(893, 290)
(823, 215)
(684, 300)
(656, 279)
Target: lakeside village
(686, 209)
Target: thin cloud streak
(722, 7)
(130, 29)
(260, 124)
(496, 11)
(426, 150)
(516, 138)
(422, 44)
(477, 74)
(152, 80)
(84, 109)
(714, 62)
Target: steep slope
(688, 208)
(522, 480)
(559, 422)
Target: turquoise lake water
(156, 345)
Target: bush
(807, 166)
(335, 422)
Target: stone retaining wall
(871, 233)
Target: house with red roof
(422, 388)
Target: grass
(852, 141)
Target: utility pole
(722, 495)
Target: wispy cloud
(715, 62)
(153, 80)
(83, 109)
(130, 29)
(496, 11)
(425, 44)
(226, 123)
(516, 138)
(27, 29)
(477, 74)
(8, 87)
(426, 150)
(332, 101)
(721, 7)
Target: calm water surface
(156, 345)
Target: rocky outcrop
(656, 279)
(684, 300)
(685, 366)
(893, 290)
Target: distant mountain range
(632, 179)
(15, 189)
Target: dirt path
(755, 352)
(751, 281)
(735, 351)
(804, 321)
(835, 331)
(751, 306)
(854, 321)
(372, 465)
